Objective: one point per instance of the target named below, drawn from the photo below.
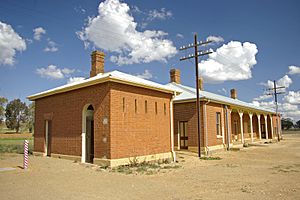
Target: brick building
(224, 120)
(107, 119)
(113, 118)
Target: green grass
(14, 145)
(210, 158)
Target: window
(165, 109)
(123, 104)
(155, 107)
(135, 106)
(146, 106)
(218, 123)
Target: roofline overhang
(225, 103)
(94, 82)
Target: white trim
(251, 126)
(172, 129)
(222, 125)
(259, 126)
(241, 124)
(46, 138)
(83, 147)
(83, 133)
(178, 136)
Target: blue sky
(44, 44)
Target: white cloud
(80, 10)
(223, 90)
(289, 107)
(53, 72)
(10, 42)
(179, 35)
(292, 97)
(51, 47)
(75, 79)
(286, 109)
(68, 71)
(114, 30)
(215, 39)
(161, 14)
(38, 32)
(145, 75)
(294, 70)
(285, 81)
(263, 97)
(230, 62)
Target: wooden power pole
(196, 55)
(275, 93)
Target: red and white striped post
(25, 163)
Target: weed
(210, 158)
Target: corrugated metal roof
(189, 93)
(115, 76)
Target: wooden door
(183, 135)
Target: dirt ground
(258, 172)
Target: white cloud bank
(286, 109)
(290, 105)
(292, 98)
(53, 72)
(114, 30)
(75, 79)
(294, 70)
(51, 47)
(161, 14)
(38, 32)
(230, 62)
(215, 39)
(10, 42)
(145, 75)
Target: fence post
(25, 163)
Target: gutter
(172, 127)
(205, 125)
(228, 128)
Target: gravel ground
(258, 172)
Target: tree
(3, 101)
(286, 123)
(15, 113)
(30, 117)
(298, 124)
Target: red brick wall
(187, 112)
(66, 109)
(135, 133)
(211, 110)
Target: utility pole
(196, 55)
(275, 93)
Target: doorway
(183, 135)
(89, 134)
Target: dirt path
(261, 172)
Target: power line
(275, 93)
(195, 56)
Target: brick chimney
(97, 61)
(233, 93)
(200, 83)
(175, 75)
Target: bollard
(25, 163)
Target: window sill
(219, 137)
